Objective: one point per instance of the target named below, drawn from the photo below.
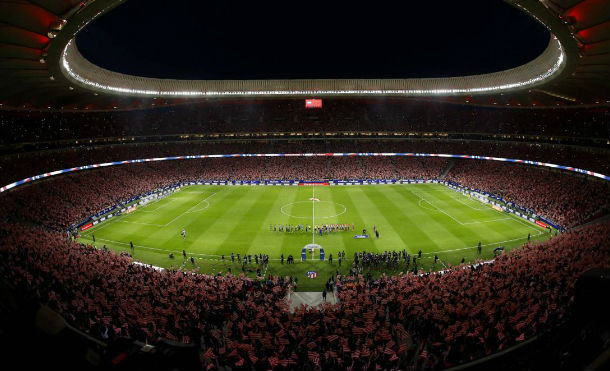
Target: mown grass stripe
(169, 235)
(336, 241)
(254, 211)
(488, 224)
(352, 216)
(238, 219)
(292, 243)
(436, 231)
(468, 234)
(392, 229)
(209, 228)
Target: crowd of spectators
(410, 321)
(19, 166)
(64, 200)
(291, 115)
(107, 295)
(563, 198)
(440, 320)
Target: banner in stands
(313, 103)
(381, 181)
(307, 183)
(129, 206)
(550, 223)
(86, 226)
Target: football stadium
(216, 186)
(224, 221)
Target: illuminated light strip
(555, 95)
(337, 154)
(197, 93)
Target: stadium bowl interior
(309, 223)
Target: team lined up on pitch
(306, 228)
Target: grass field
(223, 219)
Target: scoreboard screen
(313, 103)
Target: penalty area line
(140, 223)
(189, 209)
(149, 247)
(474, 247)
(487, 221)
(199, 255)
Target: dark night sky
(311, 39)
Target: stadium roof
(41, 67)
(215, 40)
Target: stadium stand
(425, 321)
(21, 165)
(564, 198)
(73, 305)
(410, 321)
(290, 116)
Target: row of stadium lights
(552, 70)
(58, 26)
(469, 100)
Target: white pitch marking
(487, 244)
(213, 256)
(487, 221)
(306, 217)
(149, 247)
(449, 215)
(198, 210)
(313, 215)
(127, 221)
(146, 210)
(436, 207)
(465, 204)
(194, 206)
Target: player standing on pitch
(183, 233)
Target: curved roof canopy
(42, 68)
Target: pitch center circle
(305, 209)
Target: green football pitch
(219, 220)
